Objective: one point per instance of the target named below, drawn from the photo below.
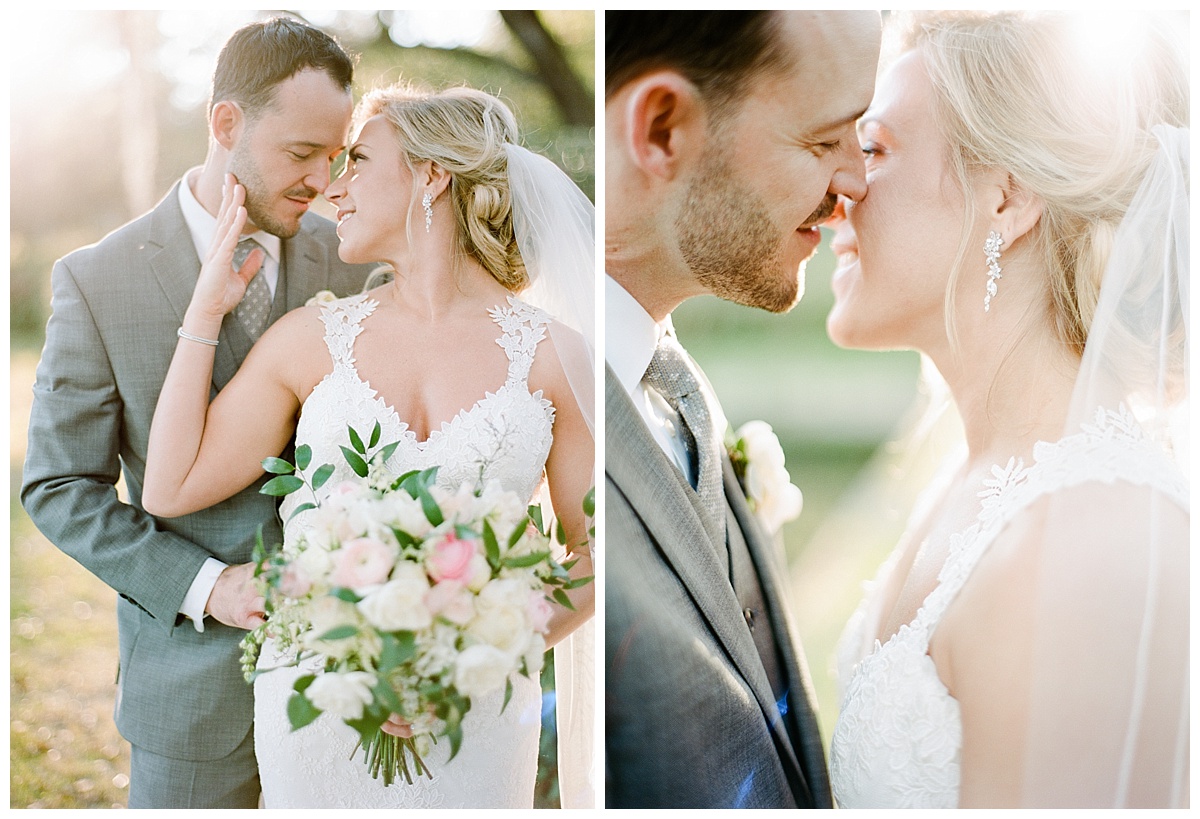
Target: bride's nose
(844, 238)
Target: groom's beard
(730, 243)
(243, 166)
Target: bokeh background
(107, 111)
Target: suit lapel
(671, 512)
(800, 713)
(303, 271)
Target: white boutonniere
(758, 461)
(321, 297)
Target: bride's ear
(1011, 209)
(434, 178)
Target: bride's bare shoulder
(294, 349)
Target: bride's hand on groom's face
(221, 286)
(235, 599)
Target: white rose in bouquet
(343, 694)
(399, 604)
(480, 669)
(502, 620)
(404, 512)
(326, 614)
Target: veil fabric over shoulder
(1108, 707)
(555, 227)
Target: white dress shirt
(203, 227)
(630, 337)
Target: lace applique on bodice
(899, 734)
(505, 436)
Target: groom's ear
(226, 121)
(665, 123)
(1012, 209)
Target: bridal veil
(556, 234)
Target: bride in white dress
(452, 362)
(1026, 228)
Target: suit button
(749, 615)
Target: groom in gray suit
(729, 137)
(278, 117)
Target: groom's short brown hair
(261, 55)
(718, 51)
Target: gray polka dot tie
(671, 375)
(255, 307)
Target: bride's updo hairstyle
(464, 131)
(1067, 112)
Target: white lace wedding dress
(899, 734)
(504, 436)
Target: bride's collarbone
(927, 548)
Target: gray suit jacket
(110, 338)
(690, 717)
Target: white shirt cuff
(198, 594)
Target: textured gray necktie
(671, 375)
(255, 307)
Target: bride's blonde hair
(465, 132)
(1025, 93)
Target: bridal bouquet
(412, 599)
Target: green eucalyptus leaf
(535, 513)
(386, 696)
(339, 633)
(277, 466)
(304, 507)
(356, 442)
(387, 451)
(281, 485)
(301, 711)
(368, 725)
(322, 475)
(579, 582)
(508, 692)
(516, 535)
(398, 648)
(456, 735)
(525, 561)
(563, 600)
(490, 546)
(303, 456)
(589, 503)
(343, 593)
(302, 683)
(433, 512)
(375, 435)
(356, 462)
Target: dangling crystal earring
(427, 203)
(991, 249)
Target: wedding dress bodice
(899, 734)
(505, 436)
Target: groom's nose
(850, 180)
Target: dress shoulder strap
(524, 326)
(343, 322)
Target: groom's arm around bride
(729, 137)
